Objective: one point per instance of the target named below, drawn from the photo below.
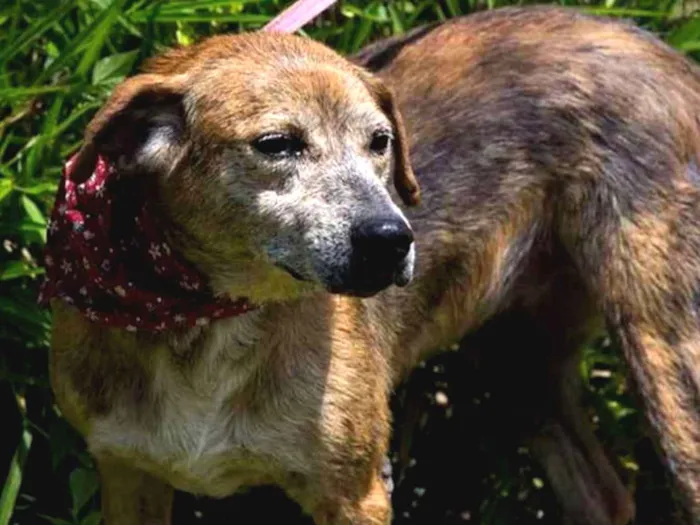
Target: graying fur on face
(316, 214)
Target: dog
(557, 156)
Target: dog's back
(559, 156)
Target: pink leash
(297, 15)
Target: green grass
(59, 59)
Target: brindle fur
(558, 158)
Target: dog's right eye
(279, 145)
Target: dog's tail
(640, 256)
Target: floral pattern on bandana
(107, 256)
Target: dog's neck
(231, 339)
(257, 344)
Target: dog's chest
(199, 429)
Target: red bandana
(107, 256)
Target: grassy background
(59, 59)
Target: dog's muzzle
(381, 256)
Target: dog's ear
(404, 178)
(141, 126)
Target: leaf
(629, 463)
(31, 231)
(350, 11)
(362, 33)
(690, 46)
(19, 314)
(10, 489)
(5, 188)
(83, 485)
(39, 188)
(201, 17)
(184, 38)
(623, 12)
(686, 33)
(396, 23)
(618, 410)
(114, 67)
(453, 7)
(32, 210)
(17, 269)
(102, 4)
(55, 521)
(92, 519)
(99, 31)
(14, 94)
(179, 6)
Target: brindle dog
(558, 156)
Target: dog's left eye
(380, 142)
(279, 145)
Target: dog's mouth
(291, 271)
(364, 290)
(367, 288)
(356, 292)
(364, 283)
(370, 284)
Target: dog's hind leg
(641, 260)
(580, 472)
(531, 356)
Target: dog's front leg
(373, 507)
(133, 497)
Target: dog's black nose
(384, 240)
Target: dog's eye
(380, 142)
(279, 145)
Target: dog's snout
(381, 255)
(386, 240)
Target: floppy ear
(141, 126)
(404, 179)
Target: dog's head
(273, 156)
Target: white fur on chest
(200, 438)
